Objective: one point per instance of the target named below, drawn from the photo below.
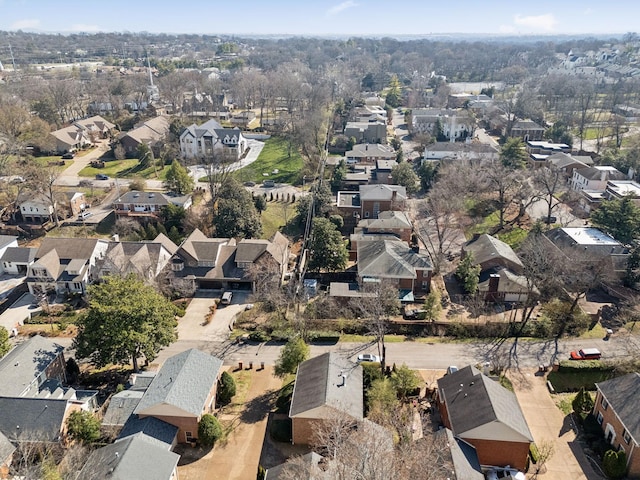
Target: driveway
(255, 147)
(548, 423)
(192, 326)
(15, 315)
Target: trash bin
(261, 365)
(250, 365)
(240, 365)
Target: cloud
(27, 23)
(341, 7)
(546, 22)
(82, 27)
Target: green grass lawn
(274, 156)
(572, 381)
(276, 216)
(128, 168)
(514, 237)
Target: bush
(226, 388)
(209, 430)
(83, 426)
(533, 453)
(259, 336)
(614, 463)
(281, 430)
(568, 366)
(582, 403)
(283, 402)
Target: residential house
(367, 132)
(65, 265)
(326, 386)
(462, 100)
(619, 189)
(6, 455)
(361, 175)
(369, 113)
(6, 242)
(211, 140)
(134, 457)
(369, 202)
(452, 124)
(71, 139)
(35, 208)
(350, 209)
(542, 147)
(617, 410)
(76, 203)
(486, 415)
(96, 126)
(393, 222)
(471, 151)
(35, 419)
(144, 259)
(567, 163)
(150, 132)
(216, 263)
(147, 206)
(369, 153)
(595, 178)
(120, 409)
(16, 260)
(382, 172)
(182, 391)
(161, 431)
(489, 252)
(395, 262)
(460, 455)
(526, 130)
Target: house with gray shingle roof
(6, 242)
(182, 391)
(16, 260)
(144, 259)
(162, 432)
(150, 132)
(6, 455)
(130, 458)
(617, 410)
(121, 406)
(34, 419)
(211, 139)
(486, 415)
(325, 386)
(148, 205)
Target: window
(605, 404)
(188, 434)
(599, 418)
(366, 214)
(355, 214)
(626, 436)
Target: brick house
(326, 386)
(617, 410)
(486, 415)
(182, 391)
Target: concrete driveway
(15, 315)
(192, 326)
(548, 423)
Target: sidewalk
(548, 423)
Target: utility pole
(13, 60)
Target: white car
(368, 357)
(496, 473)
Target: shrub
(568, 366)
(582, 403)
(83, 426)
(259, 336)
(281, 430)
(226, 388)
(72, 370)
(614, 463)
(283, 402)
(209, 430)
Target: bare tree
(506, 185)
(548, 180)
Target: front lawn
(276, 216)
(274, 156)
(111, 168)
(572, 379)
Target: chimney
(494, 280)
(486, 368)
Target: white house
(460, 151)
(595, 178)
(454, 124)
(35, 208)
(6, 241)
(211, 139)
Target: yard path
(548, 423)
(238, 459)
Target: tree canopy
(5, 346)
(404, 174)
(468, 274)
(125, 321)
(178, 180)
(292, 354)
(513, 154)
(327, 248)
(235, 212)
(83, 426)
(209, 430)
(619, 218)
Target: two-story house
(368, 202)
(368, 153)
(150, 132)
(526, 130)
(617, 410)
(147, 205)
(65, 265)
(367, 132)
(472, 151)
(210, 140)
(452, 124)
(35, 207)
(595, 178)
(6, 241)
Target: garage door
(514, 297)
(209, 285)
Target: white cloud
(341, 7)
(81, 27)
(546, 22)
(25, 24)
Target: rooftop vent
(136, 195)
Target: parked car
(451, 369)
(102, 176)
(505, 472)
(249, 184)
(268, 184)
(586, 354)
(226, 298)
(368, 357)
(68, 156)
(84, 215)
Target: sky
(323, 17)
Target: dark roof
(595, 173)
(463, 456)
(19, 255)
(184, 381)
(389, 259)
(20, 367)
(622, 395)
(121, 406)
(474, 400)
(143, 198)
(131, 458)
(526, 125)
(320, 383)
(160, 431)
(34, 419)
(309, 460)
(6, 448)
(486, 248)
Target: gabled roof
(69, 248)
(97, 122)
(143, 198)
(386, 220)
(622, 395)
(141, 258)
(19, 255)
(152, 130)
(6, 448)
(474, 401)
(382, 192)
(389, 259)
(526, 125)
(133, 457)
(22, 365)
(464, 457)
(562, 160)
(166, 242)
(202, 248)
(250, 250)
(320, 384)
(121, 406)
(486, 248)
(184, 382)
(161, 432)
(34, 419)
(7, 240)
(596, 173)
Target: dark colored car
(68, 156)
(102, 176)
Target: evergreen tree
(327, 249)
(178, 180)
(468, 274)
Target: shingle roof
(563, 160)
(68, 248)
(486, 248)
(22, 365)
(143, 198)
(389, 259)
(461, 147)
(162, 432)
(464, 457)
(131, 458)
(386, 220)
(7, 240)
(121, 406)
(474, 400)
(184, 381)
(319, 383)
(595, 173)
(382, 192)
(166, 242)
(6, 448)
(19, 255)
(34, 419)
(622, 395)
